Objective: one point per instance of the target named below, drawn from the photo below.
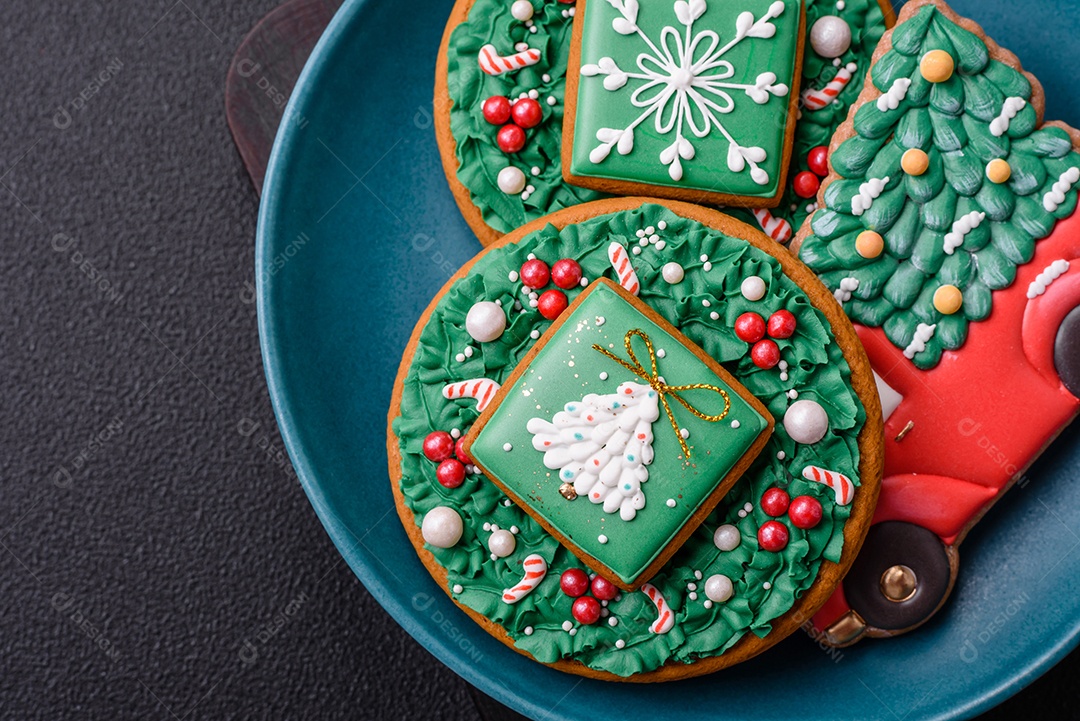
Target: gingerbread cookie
(948, 232)
(612, 367)
(498, 54)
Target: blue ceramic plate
(357, 232)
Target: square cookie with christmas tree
(611, 398)
(692, 100)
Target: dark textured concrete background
(157, 556)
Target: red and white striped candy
(665, 619)
(535, 570)
(817, 99)
(620, 261)
(776, 228)
(482, 389)
(841, 484)
(494, 64)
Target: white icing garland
(1000, 124)
(847, 286)
(923, 334)
(868, 192)
(679, 80)
(1043, 280)
(1056, 195)
(960, 228)
(897, 92)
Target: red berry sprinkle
(552, 303)
(527, 113)
(451, 473)
(805, 512)
(535, 273)
(750, 327)
(765, 354)
(781, 324)
(574, 582)
(566, 273)
(775, 502)
(773, 536)
(496, 110)
(806, 184)
(604, 589)
(459, 451)
(510, 138)
(586, 610)
(818, 160)
(438, 446)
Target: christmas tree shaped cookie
(688, 99)
(943, 182)
(618, 434)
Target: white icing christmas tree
(603, 445)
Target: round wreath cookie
(714, 473)
(500, 90)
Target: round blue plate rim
(999, 686)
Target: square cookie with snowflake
(688, 99)
(618, 434)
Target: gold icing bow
(662, 388)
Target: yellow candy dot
(937, 66)
(948, 299)
(869, 244)
(915, 161)
(998, 170)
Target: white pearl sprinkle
(528, 630)
(514, 529)
(534, 94)
(660, 353)
(766, 585)
(620, 644)
(742, 514)
(530, 256)
(567, 625)
(707, 604)
(693, 596)
(783, 376)
(714, 315)
(640, 233)
(546, 78)
(697, 575)
(706, 302)
(584, 282)
(650, 230)
(551, 100)
(460, 357)
(704, 258)
(455, 433)
(572, 631)
(535, 170)
(604, 613)
(468, 352)
(603, 375)
(458, 588)
(781, 455)
(533, 303)
(494, 557)
(684, 433)
(487, 526)
(783, 365)
(748, 507)
(507, 502)
(793, 394)
(661, 245)
(534, 334)
(671, 503)
(636, 250)
(662, 225)
(735, 424)
(613, 622)
(691, 587)
(602, 538)
(508, 447)
(707, 266)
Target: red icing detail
(806, 184)
(773, 536)
(535, 273)
(510, 138)
(459, 451)
(765, 354)
(574, 582)
(781, 324)
(586, 610)
(805, 512)
(641, 436)
(552, 303)
(450, 473)
(496, 110)
(438, 446)
(750, 327)
(943, 505)
(818, 160)
(566, 273)
(527, 113)
(604, 589)
(774, 502)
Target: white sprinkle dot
(704, 258)
(707, 266)
(530, 188)
(662, 225)
(487, 526)
(507, 502)
(735, 424)
(793, 394)
(498, 301)
(684, 433)
(783, 376)
(458, 588)
(602, 538)
(650, 230)
(455, 433)
(781, 455)
(766, 585)
(604, 613)
(534, 94)
(714, 315)
(783, 365)
(532, 28)
(584, 282)
(528, 630)
(494, 557)
(613, 622)
(531, 256)
(742, 513)
(706, 302)
(534, 334)
(693, 596)
(546, 78)
(707, 604)
(603, 375)
(468, 351)
(671, 503)
(660, 353)
(551, 100)
(640, 233)
(567, 625)
(603, 603)
(691, 586)
(535, 170)
(460, 357)
(514, 529)
(521, 47)
(697, 575)
(661, 245)
(494, 527)
(748, 507)
(600, 320)
(620, 644)
(508, 447)
(636, 250)
(572, 631)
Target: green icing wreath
(704, 306)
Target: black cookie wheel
(900, 576)
(1067, 351)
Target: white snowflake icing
(685, 85)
